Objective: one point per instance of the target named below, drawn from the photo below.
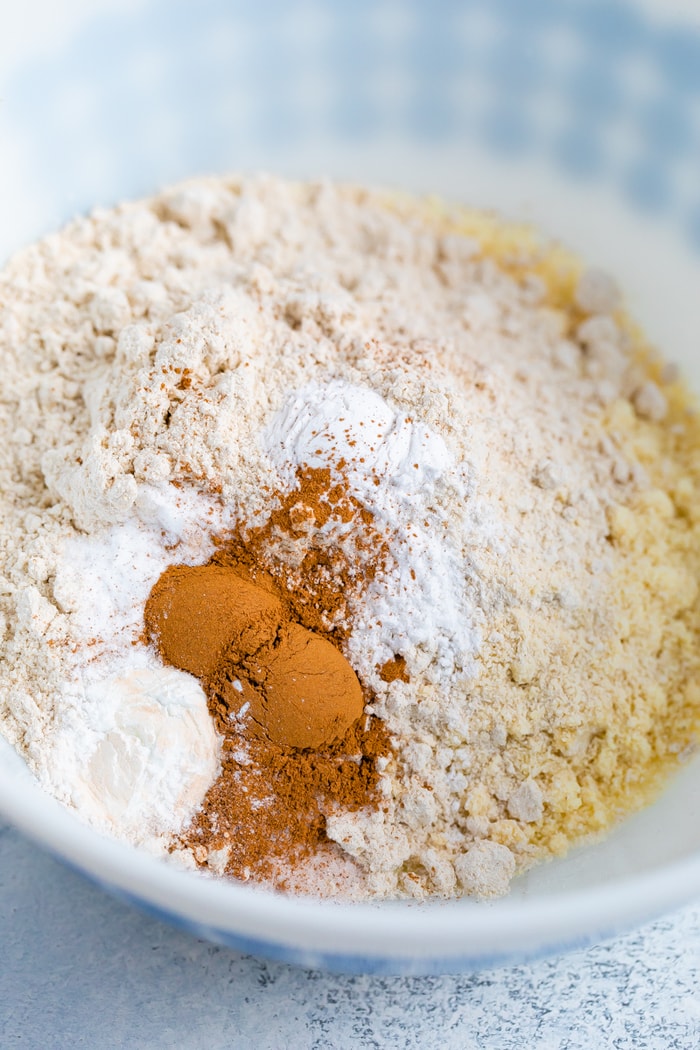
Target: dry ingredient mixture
(350, 545)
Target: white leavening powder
(391, 463)
(134, 752)
(132, 746)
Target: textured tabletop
(82, 970)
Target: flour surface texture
(524, 476)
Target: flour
(175, 359)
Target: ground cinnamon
(268, 808)
(201, 616)
(319, 546)
(281, 681)
(263, 631)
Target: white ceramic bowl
(578, 115)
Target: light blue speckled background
(80, 969)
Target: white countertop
(80, 969)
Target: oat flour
(175, 362)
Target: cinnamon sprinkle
(268, 807)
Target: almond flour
(528, 639)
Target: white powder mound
(103, 580)
(172, 361)
(328, 422)
(133, 753)
(391, 465)
(131, 746)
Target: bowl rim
(371, 931)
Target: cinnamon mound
(281, 681)
(312, 693)
(267, 637)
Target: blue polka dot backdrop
(175, 89)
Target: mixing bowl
(578, 116)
